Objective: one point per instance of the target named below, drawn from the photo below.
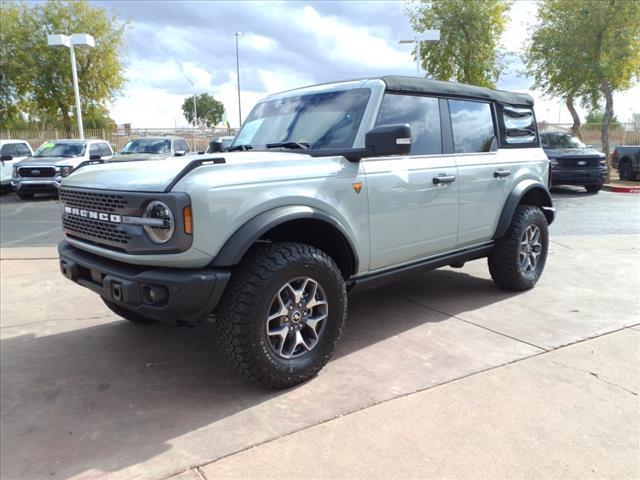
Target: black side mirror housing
(215, 147)
(179, 153)
(6, 158)
(95, 156)
(389, 140)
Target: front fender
(530, 190)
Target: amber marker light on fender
(188, 226)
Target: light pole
(195, 105)
(59, 40)
(429, 36)
(237, 34)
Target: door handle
(440, 179)
(501, 173)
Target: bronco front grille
(104, 202)
(97, 230)
(37, 172)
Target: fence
(198, 138)
(619, 134)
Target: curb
(621, 188)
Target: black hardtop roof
(399, 83)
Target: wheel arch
(527, 192)
(294, 223)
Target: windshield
(561, 140)
(60, 149)
(321, 120)
(147, 145)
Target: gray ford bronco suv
(326, 189)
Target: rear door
(485, 175)
(413, 200)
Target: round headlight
(163, 232)
(65, 171)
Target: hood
(134, 157)
(52, 161)
(157, 175)
(572, 152)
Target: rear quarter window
(517, 127)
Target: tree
(469, 34)
(210, 111)
(596, 116)
(36, 78)
(586, 50)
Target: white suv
(12, 152)
(54, 160)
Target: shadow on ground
(103, 398)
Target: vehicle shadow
(111, 396)
(571, 191)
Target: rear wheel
(626, 172)
(593, 188)
(282, 314)
(517, 260)
(24, 196)
(127, 314)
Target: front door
(413, 200)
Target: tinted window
(23, 150)
(9, 149)
(94, 149)
(147, 145)
(472, 125)
(181, 145)
(519, 125)
(421, 113)
(105, 151)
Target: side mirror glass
(179, 153)
(5, 158)
(95, 156)
(389, 140)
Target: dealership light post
(79, 39)
(238, 34)
(429, 36)
(195, 104)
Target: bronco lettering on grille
(105, 217)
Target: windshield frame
(354, 136)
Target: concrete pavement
(87, 395)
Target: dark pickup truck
(573, 162)
(626, 159)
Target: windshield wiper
(242, 148)
(292, 145)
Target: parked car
(626, 159)
(573, 162)
(220, 144)
(153, 148)
(53, 161)
(325, 190)
(12, 152)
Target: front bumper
(181, 295)
(576, 176)
(35, 185)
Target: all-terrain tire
(593, 188)
(505, 263)
(126, 314)
(24, 196)
(241, 317)
(626, 172)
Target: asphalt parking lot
(86, 394)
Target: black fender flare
(237, 245)
(514, 199)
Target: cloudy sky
(283, 45)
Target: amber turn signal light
(188, 225)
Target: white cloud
(259, 42)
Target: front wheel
(282, 314)
(517, 260)
(593, 188)
(626, 172)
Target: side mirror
(389, 140)
(95, 156)
(6, 158)
(179, 153)
(215, 147)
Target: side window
(519, 127)
(472, 125)
(421, 113)
(105, 151)
(94, 149)
(9, 149)
(23, 150)
(182, 145)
